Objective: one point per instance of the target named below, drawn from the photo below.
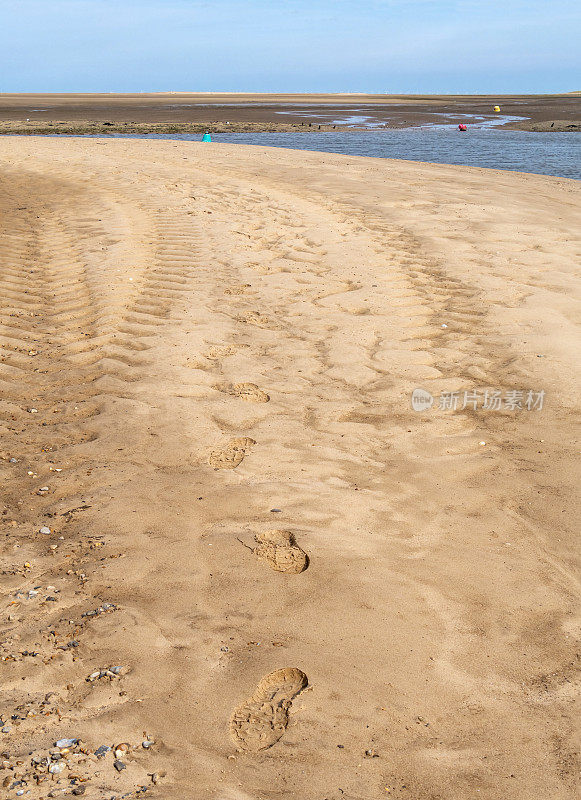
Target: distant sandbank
(166, 112)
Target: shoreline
(103, 128)
(96, 128)
(546, 126)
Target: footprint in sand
(231, 455)
(250, 392)
(257, 319)
(237, 289)
(246, 391)
(261, 721)
(280, 551)
(222, 351)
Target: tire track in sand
(422, 326)
(62, 363)
(403, 656)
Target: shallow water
(521, 151)
(361, 118)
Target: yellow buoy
(497, 108)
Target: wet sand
(231, 551)
(265, 111)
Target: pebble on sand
(65, 743)
(106, 672)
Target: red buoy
(462, 127)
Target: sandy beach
(236, 563)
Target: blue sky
(489, 46)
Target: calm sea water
(482, 146)
(542, 153)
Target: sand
(549, 126)
(261, 562)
